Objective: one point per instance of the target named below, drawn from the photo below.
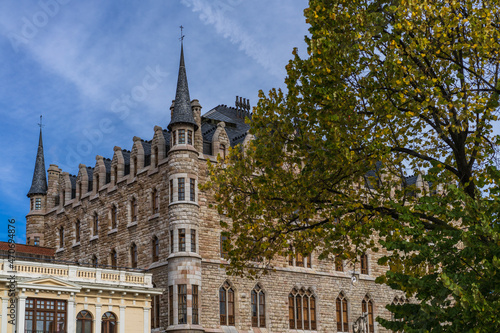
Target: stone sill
(155, 216)
(60, 249)
(112, 231)
(93, 238)
(184, 255)
(76, 244)
(184, 202)
(132, 224)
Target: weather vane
(182, 36)
(40, 123)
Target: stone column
(98, 319)
(122, 319)
(21, 313)
(71, 314)
(147, 328)
(5, 317)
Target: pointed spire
(39, 182)
(182, 106)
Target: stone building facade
(143, 208)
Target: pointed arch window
(77, 231)
(157, 156)
(135, 166)
(96, 184)
(398, 301)
(155, 244)
(108, 323)
(133, 255)
(84, 322)
(113, 258)
(114, 217)
(95, 262)
(342, 315)
(226, 304)
(258, 307)
(95, 225)
(115, 173)
(367, 307)
(302, 309)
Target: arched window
(398, 301)
(258, 307)
(135, 166)
(96, 182)
(155, 199)
(133, 209)
(302, 309)
(155, 244)
(226, 304)
(222, 150)
(63, 198)
(114, 217)
(367, 307)
(115, 173)
(157, 156)
(95, 226)
(114, 258)
(364, 263)
(342, 315)
(133, 255)
(84, 322)
(61, 237)
(95, 262)
(108, 323)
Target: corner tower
(38, 198)
(184, 261)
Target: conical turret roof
(182, 106)
(39, 182)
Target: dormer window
(190, 137)
(96, 184)
(182, 136)
(115, 173)
(80, 189)
(135, 166)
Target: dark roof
(146, 145)
(410, 180)
(126, 156)
(39, 182)
(166, 135)
(107, 165)
(90, 173)
(29, 249)
(182, 106)
(234, 118)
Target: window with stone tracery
(258, 307)
(226, 304)
(367, 307)
(302, 309)
(342, 315)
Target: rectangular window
(170, 305)
(37, 241)
(182, 240)
(174, 136)
(182, 302)
(339, 266)
(171, 241)
(364, 264)
(38, 204)
(309, 261)
(181, 189)
(182, 136)
(155, 311)
(171, 190)
(193, 240)
(223, 252)
(190, 137)
(299, 260)
(45, 315)
(191, 189)
(195, 305)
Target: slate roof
(72, 179)
(39, 182)
(234, 119)
(182, 106)
(147, 147)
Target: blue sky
(82, 65)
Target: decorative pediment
(51, 283)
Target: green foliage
(389, 89)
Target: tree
(389, 89)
